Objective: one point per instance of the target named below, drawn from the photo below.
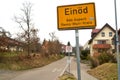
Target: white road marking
(54, 70)
(57, 70)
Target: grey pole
(69, 61)
(69, 45)
(117, 41)
(78, 54)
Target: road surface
(49, 72)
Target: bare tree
(53, 36)
(4, 38)
(34, 41)
(4, 33)
(25, 22)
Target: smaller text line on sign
(79, 16)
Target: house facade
(9, 44)
(86, 46)
(101, 40)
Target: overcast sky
(45, 17)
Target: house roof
(9, 41)
(119, 32)
(106, 25)
(101, 46)
(95, 30)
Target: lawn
(107, 71)
(22, 62)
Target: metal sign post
(69, 62)
(117, 41)
(69, 50)
(74, 17)
(78, 54)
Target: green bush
(94, 62)
(106, 57)
(102, 58)
(84, 54)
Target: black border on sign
(78, 27)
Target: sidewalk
(84, 68)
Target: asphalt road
(49, 72)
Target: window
(110, 34)
(103, 34)
(101, 42)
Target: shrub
(102, 58)
(93, 62)
(84, 54)
(106, 57)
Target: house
(63, 48)
(9, 44)
(101, 40)
(86, 46)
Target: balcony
(101, 46)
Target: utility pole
(117, 41)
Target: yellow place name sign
(79, 16)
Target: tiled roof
(95, 30)
(9, 41)
(103, 46)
